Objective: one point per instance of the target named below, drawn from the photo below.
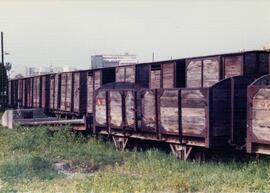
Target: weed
(27, 156)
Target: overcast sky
(41, 33)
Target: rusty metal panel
(194, 73)
(148, 101)
(115, 102)
(193, 111)
(130, 74)
(130, 108)
(155, 79)
(169, 111)
(260, 115)
(76, 92)
(90, 93)
(120, 74)
(211, 69)
(101, 109)
(168, 75)
(233, 66)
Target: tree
(8, 67)
(3, 87)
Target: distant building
(101, 61)
(68, 69)
(32, 71)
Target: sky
(66, 33)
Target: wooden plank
(194, 73)
(262, 93)
(97, 79)
(52, 92)
(261, 104)
(20, 90)
(168, 74)
(169, 111)
(36, 92)
(68, 92)
(233, 66)
(148, 109)
(100, 109)
(130, 74)
(30, 93)
(210, 71)
(115, 108)
(155, 79)
(90, 93)
(44, 92)
(192, 94)
(76, 93)
(56, 91)
(130, 108)
(193, 111)
(261, 114)
(24, 93)
(193, 121)
(63, 91)
(120, 74)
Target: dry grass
(27, 157)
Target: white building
(32, 71)
(100, 61)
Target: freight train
(207, 102)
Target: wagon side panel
(169, 112)
(194, 73)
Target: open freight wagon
(258, 133)
(212, 117)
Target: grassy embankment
(27, 157)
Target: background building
(32, 71)
(100, 61)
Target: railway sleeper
(120, 142)
(181, 152)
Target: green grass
(27, 157)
